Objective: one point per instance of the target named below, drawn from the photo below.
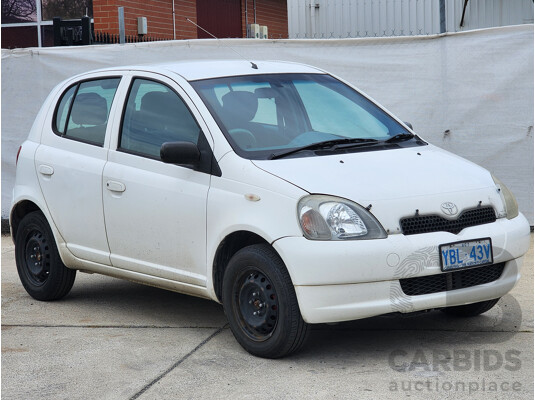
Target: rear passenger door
(155, 212)
(70, 160)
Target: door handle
(115, 186)
(46, 170)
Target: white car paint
(413, 178)
(164, 228)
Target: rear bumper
(347, 280)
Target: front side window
(83, 110)
(266, 116)
(155, 114)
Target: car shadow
(141, 305)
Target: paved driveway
(111, 339)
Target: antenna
(253, 65)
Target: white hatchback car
(274, 188)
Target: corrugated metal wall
(488, 13)
(369, 18)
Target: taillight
(18, 152)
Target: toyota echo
(274, 188)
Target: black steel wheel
(40, 269)
(37, 257)
(260, 303)
(470, 310)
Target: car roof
(204, 69)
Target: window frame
(60, 98)
(123, 113)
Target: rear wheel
(471, 310)
(41, 271)
(260, 303)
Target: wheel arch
(26, 204)
(231, 244)
(19, 211)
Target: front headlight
(509, 201)
(333, 218)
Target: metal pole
(246, 21)
(39, 20)
(442, 6)
(121, 25)
(254, 6)
(312, 18)
(464, 11)
(174, 22)
(86, 30)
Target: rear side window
(83, 111)
(155, 114)
(63, 110)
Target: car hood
(394, 182)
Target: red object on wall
(222, 18)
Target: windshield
(266, 115)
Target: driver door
(155, 213)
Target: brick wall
(158, 13)
(272, 13)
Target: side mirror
(408, 124)
(183, 153)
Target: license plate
(469, 253)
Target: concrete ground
(111, 339)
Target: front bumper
(347, 280)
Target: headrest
(89, 109)
(166, 111)
(160, 103)
(241, 106)
(266, 93)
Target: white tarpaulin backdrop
(470, 93)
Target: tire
(260, 303)
(471, 310)
(41, 271)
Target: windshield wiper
(400, 137)
(335, 143)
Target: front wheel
(260, 303)
(41, 271)
(470, 310)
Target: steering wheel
(243, 137)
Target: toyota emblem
(449, 208)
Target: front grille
(435, 223)
(451, 280)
